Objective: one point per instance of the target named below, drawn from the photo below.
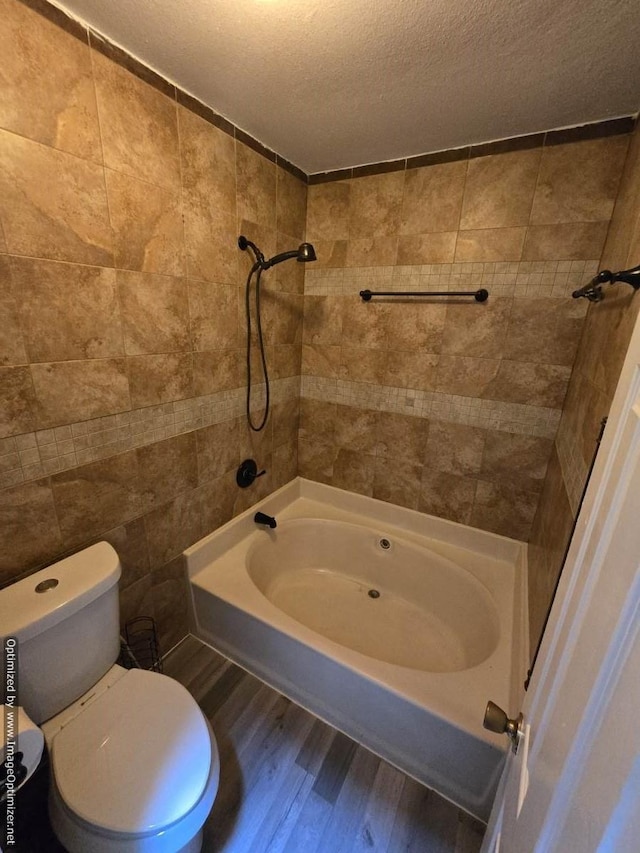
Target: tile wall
(122, 379)
(121, 288)
(451, 407)
(608, 328)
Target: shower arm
(593, 290)
(305, 252)
(277, 259)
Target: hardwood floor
(290, 783)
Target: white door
(574, 785)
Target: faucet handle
(247, 473)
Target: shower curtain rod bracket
(593, 290)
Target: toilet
(134, 764)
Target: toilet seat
(184, 836)
(136, 759)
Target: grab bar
(480, 295)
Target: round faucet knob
(247, 473)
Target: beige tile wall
(608, 328)
(121, 290)
(445, 407)
(121, 360)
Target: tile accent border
(112, 51)
(518, 279)
(58, 17)
(32, 455)
(593, 130)
(116, 54)
(436, 406)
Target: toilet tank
(66, 622)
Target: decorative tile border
(37, 454)
(519, 279)
(101, 44)
(449, 408)
(32, 455)
(579, 133)
(82, 31)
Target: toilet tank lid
(67, 586)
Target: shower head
(304, 253)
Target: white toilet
(134, 763)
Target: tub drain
(384, 544)
(373, 593)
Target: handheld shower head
(304, 253)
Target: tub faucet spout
(262, 518)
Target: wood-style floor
(290, 783)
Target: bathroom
(123, 370)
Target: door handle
(495, 720)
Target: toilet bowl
(134, 765)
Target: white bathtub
(393, 626)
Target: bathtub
(393, 626)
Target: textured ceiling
(335, 83)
